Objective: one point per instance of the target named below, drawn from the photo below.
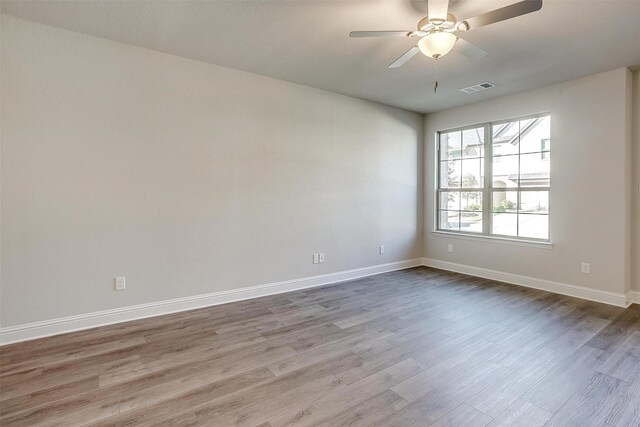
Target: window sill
(493, 239)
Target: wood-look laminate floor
(413, 347)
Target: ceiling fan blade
(379, 33)
(502, 14)
(438, 10)
(405, 57)
(470, 51)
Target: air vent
(477, 88)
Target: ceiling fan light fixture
(437, 44)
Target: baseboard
(633, 297)
(63, 325)
(605, 297)
(47, 328)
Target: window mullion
(488, 173)
(438, 183)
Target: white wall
(185, 177)
(590, 207)
(635, 190)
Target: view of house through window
(494, 179)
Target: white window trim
(493, 239)
(486, 190)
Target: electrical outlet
(450, 248)
(586, 268)
(316, 258)
(121, 283)
(381, 249)
(321, 257)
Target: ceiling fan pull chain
(435, 87)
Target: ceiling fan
(439, 31)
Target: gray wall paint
(635, 188)
(589, 181)
(185, 177)
(190, 178)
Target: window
(494, 179)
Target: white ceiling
(307, 42)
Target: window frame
(487, 188)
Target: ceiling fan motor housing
(449, 25)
